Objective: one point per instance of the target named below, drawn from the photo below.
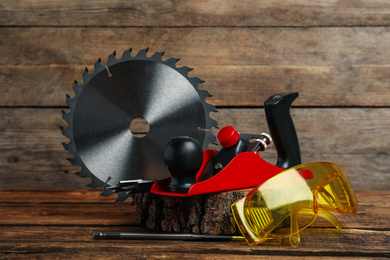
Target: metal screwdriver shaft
(163, 236)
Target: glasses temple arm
(295, 237)
(329, 217)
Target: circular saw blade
(130, 88)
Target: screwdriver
(164, 236)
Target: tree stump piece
(204, 214)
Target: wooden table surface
(336, 54)
(60, 223)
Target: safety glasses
(290, 201)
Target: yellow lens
(294, 196)
(262, 213)
(332, 186)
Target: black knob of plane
(183, 156)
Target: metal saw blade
(130, 88)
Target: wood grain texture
(61, 196)
(334, 244)
(205, 214)
(335, 53)
(46, 228)
(32, 156)
(230, 85)
(241, 66)
(194, 13)
(340, 47)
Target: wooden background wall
(336, 54)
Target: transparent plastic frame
(299, 195)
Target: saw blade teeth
(86, 75)
(70, 147)
(122, 196)
(66, 132)
(66, 116)
(204, 93)
(211, 122)
(209, 138)
(67, 146)
(157, 56)
(207, 93)
(172, 62)
(76, 160)
(210, 107)
(98, 66)
(195, 80)
(95, 183)
(142, 53)
(184, 70)
(77, 88)
(83, 173)
(106, 192)
(112, 59)
(127, 54)
(70, 101)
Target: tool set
(171, 155)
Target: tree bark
(204, 214)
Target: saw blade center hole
(139, 127)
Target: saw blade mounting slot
(139, 127)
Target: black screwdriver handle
(281, 126)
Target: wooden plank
(314, 242)
(320, 46)
(54, 229)
(66, 214)
(372, 205)
(149, 255)
(34, 156)
(363, 85)
(93, 218)
(322, 130)
(356, 139)
(89, 209)
(55, 195)
(364, 171)
(241, 66)
(194, 13)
